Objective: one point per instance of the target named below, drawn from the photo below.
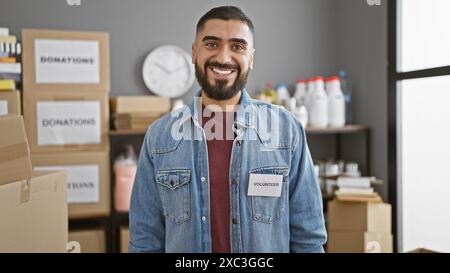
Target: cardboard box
(88, 176)
(359, 242)
(15, 161)
(57, 122)
(359, 216)
(33, 214)
(10, 103)
(60, 61)
(124, 239)
(140, 104)
(422, 250)
(91, 241)
(134, 121)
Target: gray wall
(362, 52)
(293, 39)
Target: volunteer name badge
(67, 61)
(265, 185)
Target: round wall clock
(168, 71)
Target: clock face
(168, 71)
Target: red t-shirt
(219, 138)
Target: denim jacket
(170, 203)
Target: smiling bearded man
(241, 189)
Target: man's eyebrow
(215, 38)
(239, 40)
(211, 38)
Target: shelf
(347, 129)
(90, 222)
(327, 197)
(127, 132)
(121, 216)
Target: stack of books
(10, 68)
(357, 189)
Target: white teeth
(222, 72)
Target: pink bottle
(125, 171)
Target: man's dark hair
(225, 13)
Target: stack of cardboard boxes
(136, 113)
(359, 227)
(66, 111)
(33, 205)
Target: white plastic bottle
(336, 102)
(327, 85)
(310, 84)
(302, 115)
(299, 111)
(309, 89)
(300, 92)
(318, 104)
(283, 96)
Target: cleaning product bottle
(327, 85)
(336, 102)
(346, 87)
(309, 91)
(300, 92)
(125, 167)
(268, 94)
(283, 96)
(299, 111)
(318, 104)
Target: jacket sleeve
(147, 225)
(307, 225)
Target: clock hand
(162, 68)
(177, 69)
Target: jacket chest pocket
(267, 209)
(173, 185)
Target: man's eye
(238, 47)
(211, 45)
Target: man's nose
(224, 56)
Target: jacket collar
(244, 114)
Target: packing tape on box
(13, 152)
(68, 98)
(25, 189)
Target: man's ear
(194, 53)
(252, 57)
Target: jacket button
(235, 221)
(238, 143)
(202, 179)
(203, 218)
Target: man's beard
(220, 91)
